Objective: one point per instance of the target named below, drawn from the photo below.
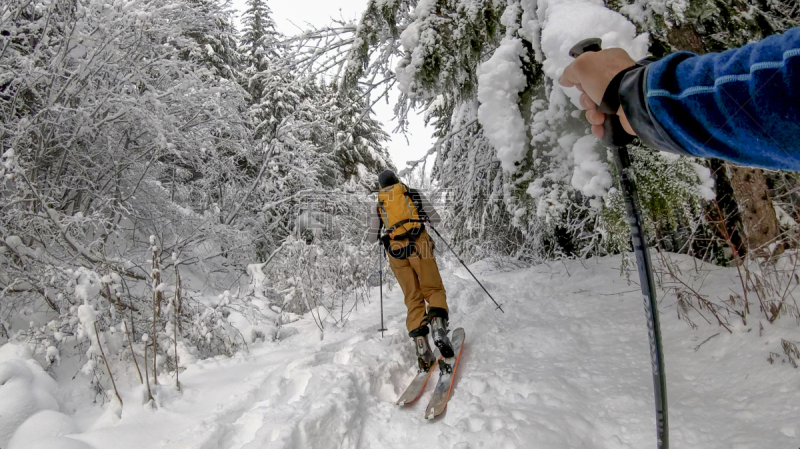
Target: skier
(402, 213)
(740, 105)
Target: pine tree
(215, 38)
(276, 96)
(259, 35)
(259, 48)
(357, 138)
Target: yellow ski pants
(419, 277)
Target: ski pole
(465, 266)
(380, 272)
(618, 139)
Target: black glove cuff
(633, 96)
(611, 103)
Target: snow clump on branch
(591, 175)
(500, 81)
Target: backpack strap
(416, 198)
(402, 222)
(404, 252)
(383, 218)
(410, 249)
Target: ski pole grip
(591, 44)
(614, 132)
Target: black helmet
(387, 178)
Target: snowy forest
(185, 187)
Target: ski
(417, 386)
(445, 384)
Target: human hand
(591, 73)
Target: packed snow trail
(565, 367)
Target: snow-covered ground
(565, 367)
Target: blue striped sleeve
(742, 105)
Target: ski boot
(425, 357)
(440, 338)
(442, 341)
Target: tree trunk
(749, 186)
(755, 208)
(726, 200)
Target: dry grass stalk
(108, 368)
(177, 308)
(157, 297)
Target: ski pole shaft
(465, 266)
(617, 139)
(380, 272)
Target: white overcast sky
(294, 15)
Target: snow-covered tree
(259, 37)
(110, 135)
(216, 38)
(485, 71)
(259, 51)
(357, 138)
(321, 152)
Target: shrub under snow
(25, 389)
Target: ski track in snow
(565, 367)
